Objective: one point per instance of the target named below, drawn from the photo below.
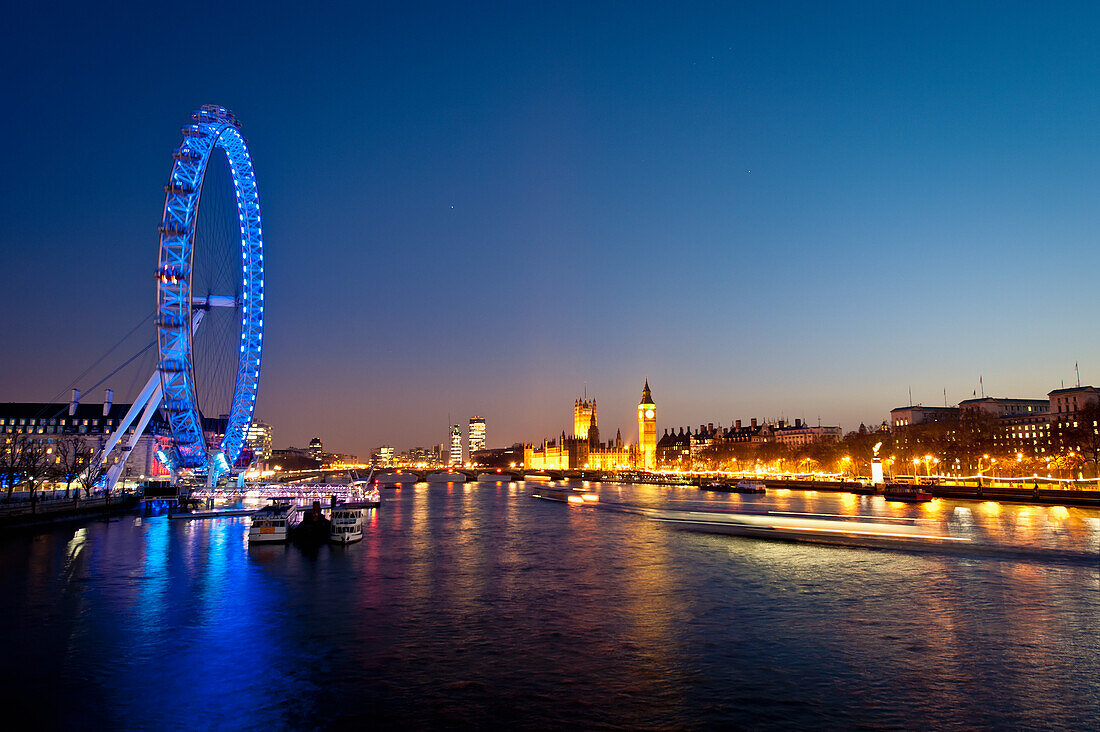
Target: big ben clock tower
(647, 430)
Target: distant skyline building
(477, 434)
(260, 437)
(382, 457)
(455, 455)
(316, 449)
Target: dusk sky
(769, 209)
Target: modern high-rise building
(647, 430)
(477, 434)
(584, 415)
(383, 457)
(455, 457)
(316, 448)
(259, 439)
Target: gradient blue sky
(474, 208)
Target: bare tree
(1084, 435)
(11, 461)
(71, 457)
(94, 470)
(36, 465)
(24, 460)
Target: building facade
(260, 436)
(455, 455)
(1075, 422)
(674, 450)
(911, 415)
(800, 434)
(382, 457)
(477, 434)
(584, 414)
(92, 425)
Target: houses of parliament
(584, 450)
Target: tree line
(27, 463)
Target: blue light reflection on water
(478, 605)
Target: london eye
(209, 273)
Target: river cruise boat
(741, 487)
(272, 524)
(863, 532)
(906, 493)
(346, 525)
(564, 494)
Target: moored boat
(743, 486)
(313, 528)
(906, 493)
(346, 525)
(272, 524)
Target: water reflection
(474, 605)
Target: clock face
(649, 414)
(639, 414)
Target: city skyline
(767, 217)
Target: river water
(477, 606)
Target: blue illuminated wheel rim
(212, 127)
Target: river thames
(477, 606)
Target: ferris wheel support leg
(151, 405)
(146, 393)
(146, 403)
(150, 394)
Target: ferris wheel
(210, 271)
(181, 307)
